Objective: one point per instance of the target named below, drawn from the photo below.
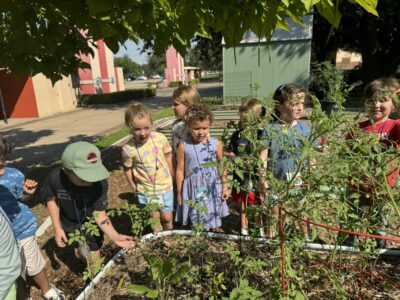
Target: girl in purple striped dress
(196, 180)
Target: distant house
(348, 60)
(36, 97)
(253, 62)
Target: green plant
(164, 274)
(212, 100)
(244, 292)
(94, 263)
(140, 217)
(329, 82)
(175, 83)
(193, 81)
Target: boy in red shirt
(379, 98)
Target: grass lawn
(108, 140)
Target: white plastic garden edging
(219, 236)
(159, 123)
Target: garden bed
(216, 268)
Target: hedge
(212, 100)
(116, 97)
(179, 83)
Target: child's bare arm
(129, 176)
(105, 224)
(168, 158)
(225, 190)
(29, 187)
(180, 169)
(59, 233)
(262, 172)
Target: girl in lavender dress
(195, 180)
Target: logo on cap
(92, 158)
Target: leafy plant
(164, 274)
(329, 82)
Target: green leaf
(179, 274)
(168, 266)
(369, 5)
(329, 12)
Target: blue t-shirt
(284, 145)
(22, 219)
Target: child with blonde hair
(183, 98)
(251, 110)
(147, 164)
(197, 182)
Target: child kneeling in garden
(197, 182)
(147, 163)
(76, 192)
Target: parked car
(156, 76)
(142, 78)
(130, 77)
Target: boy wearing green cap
(78, 191)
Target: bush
(193, 81)
(117, 97)
(179, 83)
(212, 101)
(174, 84)
(213, 78)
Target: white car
(142, 78)
(156, 76)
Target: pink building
(36, 97)
(174, 70)
(102, 77)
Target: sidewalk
(38, 142)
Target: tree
(207, 53)
(46, 36)
(128, 65)
(155, 65)
(376, 39)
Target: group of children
(187, 175)
(178, 178)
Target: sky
(133, 51)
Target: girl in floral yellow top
(147, 163)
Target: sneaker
(244, 231)
(54, 294)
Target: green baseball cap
(84, 159)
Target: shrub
(174, 83)
(117, 97)
(193, 81)
(212, 101)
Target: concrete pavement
(38, 142)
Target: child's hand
(125, 241)
(60, 238)
(29, 186)
(225, 194)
